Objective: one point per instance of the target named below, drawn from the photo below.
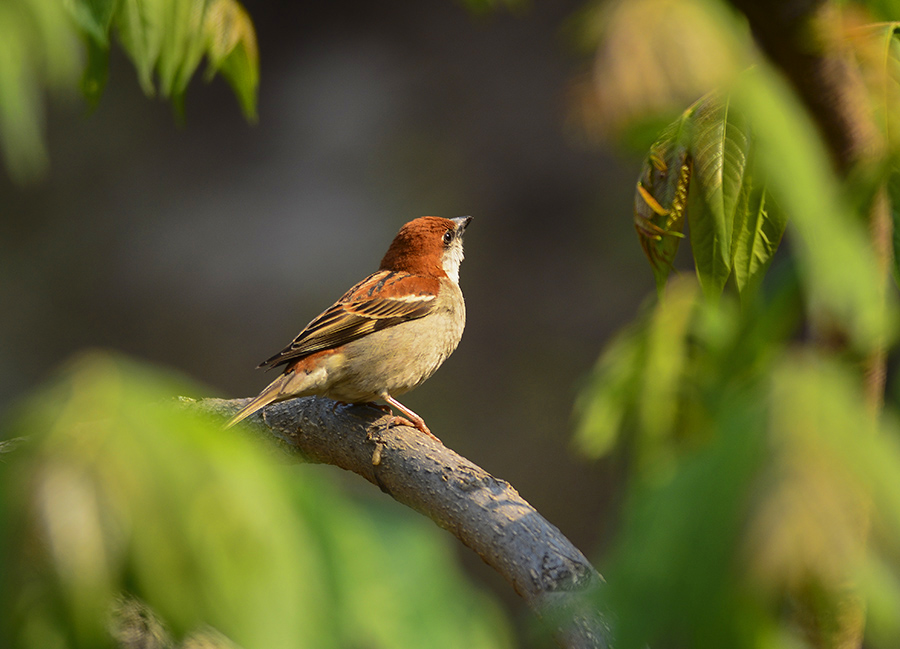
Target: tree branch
(485, 513)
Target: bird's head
(430, 246)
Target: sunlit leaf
(877, 52)
(141, 24)
(184, 43)
(660, 198)
(720, 149)
(94, 17)
(757, 235)
(233, 51)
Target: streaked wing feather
(357, 314)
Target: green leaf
(172, 36)
(442, 611)
(38, 51)
(610, 394)
(883, 9)
(877, 52)
(141, 25)
(838, 266)
(662, 375)
(96, 72)
(184, 44)
(115, 490)
(757, 236)
(94, 17)
(888, 109)
(893, 188)
(233, 51)
(20, 105)
(671, 573)
(118, 489)
(720, 149)
(660, 198)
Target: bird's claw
(420, 426)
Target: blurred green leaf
(833, 476)
(184, 45)
(881, 9)
(140, 25)
(96, 72)
(838, 263)
(184, 42)
(660, 378)
(610, 394)
(876, 49)
(117, 491)
(391, 574)
(768, 516)
(653, 376)
(39, 51)
(663, 376)
(671, 577)
(720, 149)
(233, 51)
(893, 189)
(93, 17)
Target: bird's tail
(273, 392)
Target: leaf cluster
(761, 506)
(46, 44)
(126, 521)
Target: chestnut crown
(429, 246)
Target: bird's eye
(448, 237)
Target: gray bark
(485, 513)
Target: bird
(386, 335)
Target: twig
(485, 513)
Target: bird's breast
(399, 358)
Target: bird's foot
(418, 425)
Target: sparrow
(387, 334)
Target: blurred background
(206, 246)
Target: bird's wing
(384, 299)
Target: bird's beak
(461, 223)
